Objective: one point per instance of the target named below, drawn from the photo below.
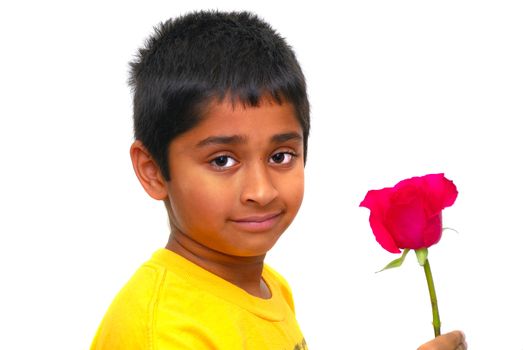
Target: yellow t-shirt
(171, 303)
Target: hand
(450, 341)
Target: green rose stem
(436, 323)
(422, 254)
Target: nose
(258, 186)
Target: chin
(259, 249)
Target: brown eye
(223, 162)
(278, 157)
(282, 158)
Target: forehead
(235, 117)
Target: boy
(221, 121)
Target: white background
(397, 88)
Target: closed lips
(258, 223)
(257, 219)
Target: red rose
(408, 215)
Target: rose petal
(377, 199)
(406, 222)
(439, 193)
(383, 237)
(378, 202)
(433, 230)
(408, 215)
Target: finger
(450, 341)
(453, 340)
(456, 339)
(465, 345)
(462, 346)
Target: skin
(236, 184)
(450, 341)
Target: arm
(451, 341)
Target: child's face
(237, 177)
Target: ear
(148, 172)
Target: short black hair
(200, 56)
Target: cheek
(291, 191)
(199, 205)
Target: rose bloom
(408, 215)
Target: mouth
(258, 223)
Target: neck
(244, 272)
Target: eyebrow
(289, 136)
(240, 139)
(222, 140)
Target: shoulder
(154, 310)
(128, 322)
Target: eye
(282, 158)
(223, 162)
